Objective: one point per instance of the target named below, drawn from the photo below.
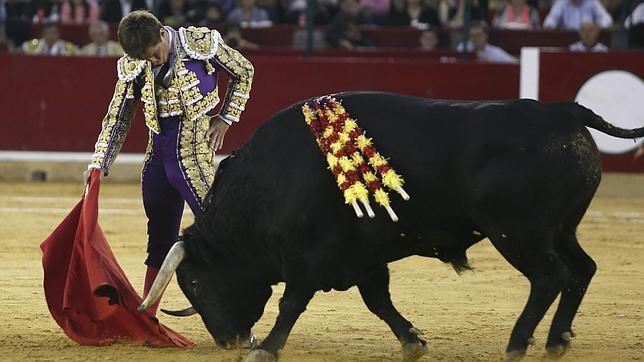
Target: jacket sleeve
(240, 72)
(115, 125)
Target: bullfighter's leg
(531, 253)
(582, 268)
(292, 304)
(163, 207)
(375, 293)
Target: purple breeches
(164, 190)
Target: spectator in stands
(379, 10)
(484, 51)
(417, 14)
(212, 16)
(274, 9)
(233, 38)
(3, 34)
(343, 31)
(517, 15)
(588, 35)
(634, 24)
(428, 39)
(247, 14)
(174, 13)
(114, 10)
(322, 13)
(353, 38)
(45, 11)
(451, 12)
(570, 14)
(79, 12)
(17, 23)
(101, 45)
(4, 43)
(50, 43)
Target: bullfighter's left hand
(216, 132)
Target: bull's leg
(292, 304)
(375, 293)
(582, 268)
(534, 257)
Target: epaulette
(129, 68)
(199, 43)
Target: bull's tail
(594, 121)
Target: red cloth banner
(87, 292)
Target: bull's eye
(193, 283)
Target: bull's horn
(170, 264)
(180, 313)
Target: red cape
(87, 292)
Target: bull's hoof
(557, 350)
(260, 355)
(413, 351)
(516, 355)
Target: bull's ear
(180, 313)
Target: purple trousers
(164, 191)
(167, 180)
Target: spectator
(213, 16)
(50, 43)
(323, 12)
(416, 13)
(249, 15)
(173, 13)
(451, 12)
(485, 52)
(17, 23)
(274, 9)
(114, 10)
(634, 24)
(45, 11)
(233, 38)
(79, 12)
(570, 14)
(588, 33)
(517, 15)
(428, 39)
(101, 45)
(343, 31)
(379, 10)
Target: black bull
(521, 173)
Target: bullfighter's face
(228, 305)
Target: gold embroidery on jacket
(114, 127)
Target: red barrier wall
(56, 103)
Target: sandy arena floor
(466, 318)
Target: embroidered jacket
(181, 98)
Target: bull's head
(228, 302)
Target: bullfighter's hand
(216, 132)
(86, 176)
